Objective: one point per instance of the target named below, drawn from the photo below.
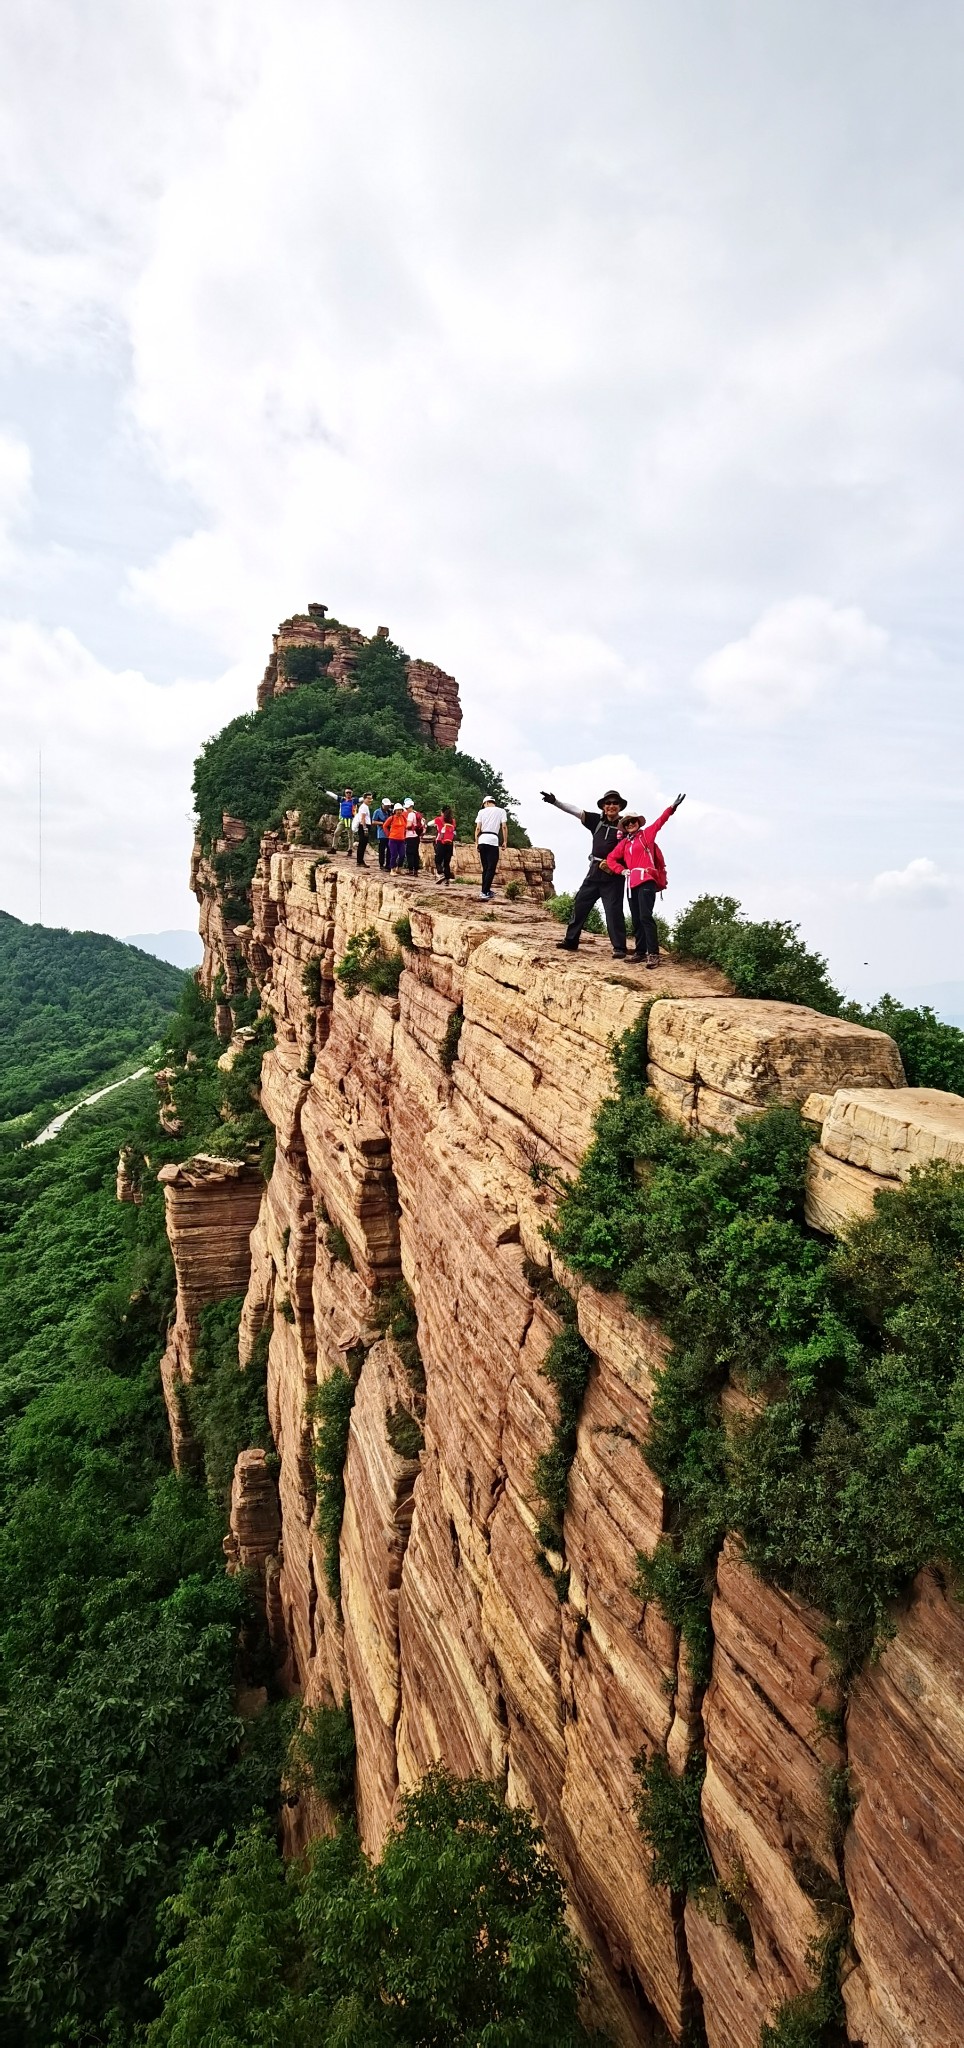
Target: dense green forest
(143, 1898)
(72, 1004)
(318, 737)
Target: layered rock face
(211, 1207)
(417, 1140)
(434, 694)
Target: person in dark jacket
(600, 885)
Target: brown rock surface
(452, 1642)
(254, 1523)
(840, 1195)
(889, 1133)
(714, 1061)
(905, 1849)
(211, 1207)
(765, 1800)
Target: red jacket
(638, 855)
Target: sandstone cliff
(418, 1135)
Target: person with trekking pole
(361, 825)
(600, 885)
(640, 859)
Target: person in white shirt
(491, 833)
(361, 825)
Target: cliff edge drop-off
(421, 1137)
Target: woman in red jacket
(639, 858)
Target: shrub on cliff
(764, 958)
(932, 1051)
(769, 959)
(852, 1476)
(457, 1935)
(365, 964)
(227, 1409)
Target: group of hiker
(400, 830)
(625, 849)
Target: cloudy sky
(609, 351)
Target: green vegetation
(322, 1755)
(404, 1434)
(395, 1314)
(72, 1005)
(852, 1477)
(560, 907)
(448, 1051)
(769, 959)
(365, 964)
(456, 1936)
(402, 929)
(817, 2019)
(668, 1812)
(339, 1246)
(121, 1639)
(932, 1052)
(220, 1111)
(331, 1406)
(762, 959)
(227, 1409)
(319, 737)
(566, 1366)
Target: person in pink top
(640, 859)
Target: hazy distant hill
(71, 1005)
(183, 949)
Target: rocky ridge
(408, 1154)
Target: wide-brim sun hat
(611, 796)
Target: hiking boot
(620, 956)
(563, 946)
(652, 960)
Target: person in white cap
(361, 825)
(380, 817)
(414, 827)
(491, 833)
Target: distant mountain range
(182, 949)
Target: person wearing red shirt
(640, 859)
(444, 842)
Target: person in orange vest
(396, 838)
(640, 859)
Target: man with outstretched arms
(600, 886)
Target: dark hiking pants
(489, 858)
(606, 889)
(642, 902)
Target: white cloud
(697, 836)
(921, 882)
(15, 478)
(543, 335)
(117, 755)
(796, 652)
